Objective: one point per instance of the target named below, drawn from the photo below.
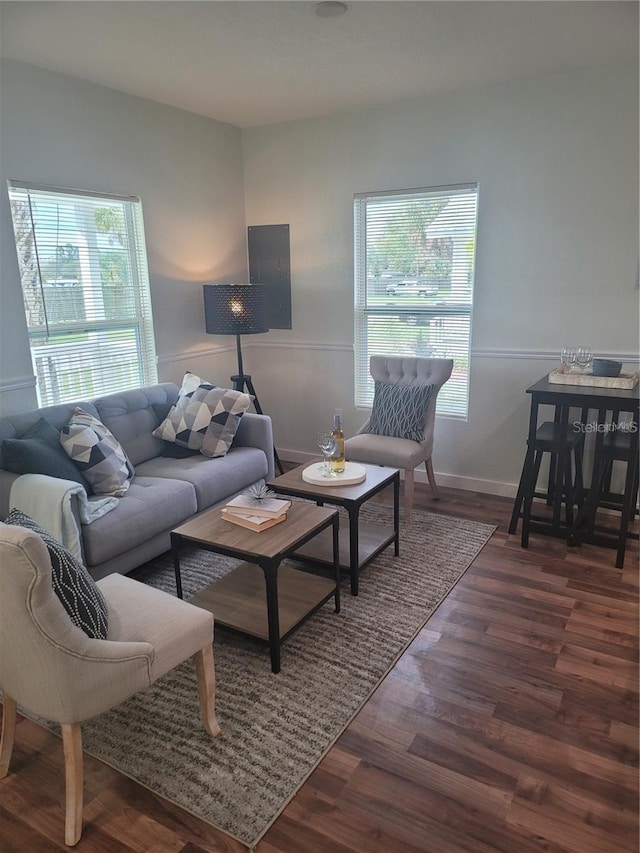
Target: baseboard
(452, 481)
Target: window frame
(453, 401)
(84, 348)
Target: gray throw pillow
(205, 417)
(72, 583)
(400, 410)
(97, 453)
(38, 451)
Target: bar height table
(609, 404)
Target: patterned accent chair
(55, 670)
(406, 443)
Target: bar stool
(616, 446)
(564, 486)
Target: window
(414, 265)
(85, 287)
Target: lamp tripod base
(242, 381)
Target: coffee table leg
(273, 619)
(396, 513)
(336, 560)
(175, 549)
(354, 550)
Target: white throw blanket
(48, 501)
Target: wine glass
(568, 358)
(327, 445)
(584, 357)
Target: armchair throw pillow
(72, 583)
(97, 453)
(204, 418)
(400, 411)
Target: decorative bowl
(606, 367)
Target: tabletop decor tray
(625, 381)
(353, 473)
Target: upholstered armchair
(399, 412)
(52, 668)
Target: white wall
(557, 164)
(557, 261)
(187, 170)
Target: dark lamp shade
(235, 309)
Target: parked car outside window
(411, 287)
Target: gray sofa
(164, 491)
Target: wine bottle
(337, 457)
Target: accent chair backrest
(414, 371)
(47, 663)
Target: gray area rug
(276, 728)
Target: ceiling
(251, 62)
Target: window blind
(414, 257)
(85, 285)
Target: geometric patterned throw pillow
(204, 417)
(97, 453)
(72, 583)
(400, 411)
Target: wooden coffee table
(271, 603)
(364, 541)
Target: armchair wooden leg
(431, 477)
(72, 743)
(205, 670)
(9, 709)
(408, 493)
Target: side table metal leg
(336, 559)
(273, 619)
(175, 550)
(396, 514)
(354, 551)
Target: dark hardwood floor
(510, 724)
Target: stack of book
(255, 514)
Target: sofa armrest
(256, 431)
(7, 479)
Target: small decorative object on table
(606, 367)
(584, 357)
(352, 474)
(337, 457)
(568, 358)
(256, 509)
(327, 445)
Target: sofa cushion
(71, 581)
(214, 480)
(133, 415)
(151, 506)
(205, 417)
(15, 426)
(400, 411)
(97, 453)
(38, 451)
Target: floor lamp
(238, 309)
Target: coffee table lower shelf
(238, 600)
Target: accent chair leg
(408, 493)
(72, 743)
(205, 670)
(431, 477)
(9, 709)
